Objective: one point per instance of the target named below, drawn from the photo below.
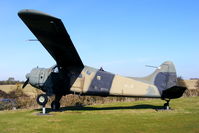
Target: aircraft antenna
(31, 40)
(152, 66)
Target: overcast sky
(122, 36)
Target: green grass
(136, 117)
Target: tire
(55, 105)
(42, 99)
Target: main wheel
(42, 99)
(55, 105)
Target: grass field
(136, 117)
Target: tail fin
(165, 79)
(164, 76)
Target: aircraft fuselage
(93, 81)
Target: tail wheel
(55, 105)
(166, 105)
(42, 99)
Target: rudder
(165, 79)
(165, 76)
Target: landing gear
(166, 105)
(42, 99)
(55, 105)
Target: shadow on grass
(82, 108)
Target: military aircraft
(70, 75)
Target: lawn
(136, 117)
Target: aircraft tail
(164, 76)
(165, 79)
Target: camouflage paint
(101, 83)
(74, 77)
(163, 78)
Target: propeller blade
(24, 85)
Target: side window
(56, 70)
(98, 77)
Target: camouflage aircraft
(70, 75)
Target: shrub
(7, 104)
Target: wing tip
(29, 12)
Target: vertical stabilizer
(163, 77)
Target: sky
(122, 36)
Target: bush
(197, 85)
(7, 104)
(76, 100)
(3, 94)
(188, 93)
(21, 100)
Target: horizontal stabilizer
(173, 92)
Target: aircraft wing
(52, 34)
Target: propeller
(24, 85)
(27, 81)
